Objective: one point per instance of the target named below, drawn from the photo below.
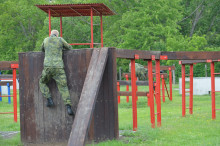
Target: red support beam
(163, 89)
(49, 21)
(133, 89)
(92, 44)
(127, 88)
(191, 90)
(102, 45)
(183, 91)
(158, 93)
(118, 88)
(170, 81)
(14, 66)
(151, 93)
(213, 89)
(61, 27)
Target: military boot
(69, 110)
(50, 102)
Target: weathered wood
(192, 55)
(154, 75)
(163, 67)
(129, 54)
(138, 83)
(129, 93)
(6, 65)
(88, 97)
(5, 83)
(40, 124)
(7, 76)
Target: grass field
(196, 129)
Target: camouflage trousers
(58, 74)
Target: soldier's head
(55, 32)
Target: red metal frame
(191, 90)
(183, 91)
(49, 21)
(74, 12)
(163, 90)
(91, 45)
(61, 29)
(170, 81)
(133, 89)
(101, 25)
(14, 67)
(213, 89)
(127, 88)
(158, 100)
(118, 88)
(151, 93)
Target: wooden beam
(154, 75)
(4, 83)
(163, 67)
(129, 54)
(88, 97)
(6, 65)
(129, 93)
(138, 83)
(192, 55)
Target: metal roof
(73, 10)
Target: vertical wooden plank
(88, 97)
(21, 95)
(39, 101)
(112, 85)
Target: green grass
(196, 129)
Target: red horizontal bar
(187, 91)
(7, 113)
(217, 109)
(216, 73)
(6, 96)
(216, 91)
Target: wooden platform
(40, 124)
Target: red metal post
(151, 93)
(170, 80)
(163, 89)
(191, 90)
(118, 88)
(133, 89)
(61, 27)
(91, 45)
(14, 66)
(136, 89)
(101, 31)
(158, 93)
(213, 89)
(127, 88)
(49, 22)
(183, 91)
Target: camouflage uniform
(140, 71)
(53, 67)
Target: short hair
(56, 32)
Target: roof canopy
(73, 10)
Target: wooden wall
(40, 124)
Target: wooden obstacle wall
(40, 124)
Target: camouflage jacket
(53, 47)
(141, 72)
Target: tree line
(161, 25)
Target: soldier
(141, 72)
(53, 47)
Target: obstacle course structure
(91, 75)
(10, 65)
